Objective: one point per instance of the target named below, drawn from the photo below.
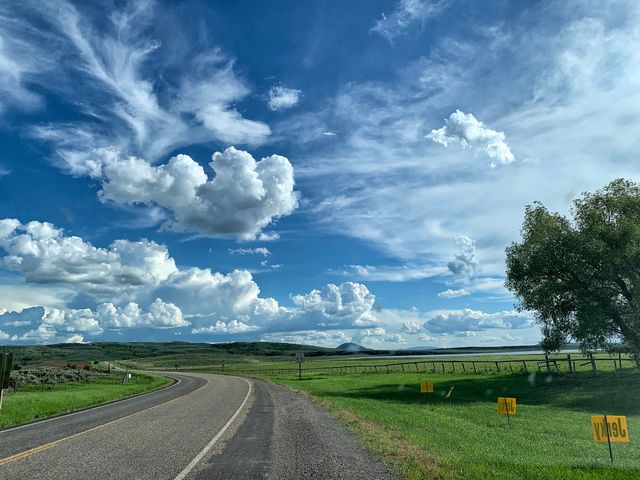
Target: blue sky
(313, 172)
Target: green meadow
(463, 437)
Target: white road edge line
(91, 409)
(182, 475)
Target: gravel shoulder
(286, 436)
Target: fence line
(547, 364)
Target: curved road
(202, 427)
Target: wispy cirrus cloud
(406, 14)
(130, 103)
(392, 273)
(250, 251)
(394, 189)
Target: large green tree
(581, 276)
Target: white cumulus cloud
(282, 98)
(43, 254)
(241, 199)
(464, 129)
(159, 315)
(411, 327)
(467, 320)
(234, 326)
(449, 293)
(347, 304)
(464, 263)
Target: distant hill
(352, 347)
(103, 351)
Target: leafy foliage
(582, 276)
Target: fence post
(546, 359)
(497, 367)
(620, 359)
(524, 364)
(474, 367)
(569, 362)
(593, 364)
(463, 368)
(453, 367)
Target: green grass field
(463, 437)
(255, 364)
(34, 402)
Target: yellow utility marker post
(610, 429)
(426, 386)
(507, 406)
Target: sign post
(6, 364)
(426, 386)
(507, 406)
(610, 429)
(299, 359)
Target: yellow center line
(47, 446)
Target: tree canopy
(581, 276)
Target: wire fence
(51, 384)
(568, 364)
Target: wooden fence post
(620, 359)
(524, 364)
(474, 367)
(546, 359)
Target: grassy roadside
(33, 403)
(463, 437)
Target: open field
(39, 401)
(484, 363)
(463, 437)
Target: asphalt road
(204, 427)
